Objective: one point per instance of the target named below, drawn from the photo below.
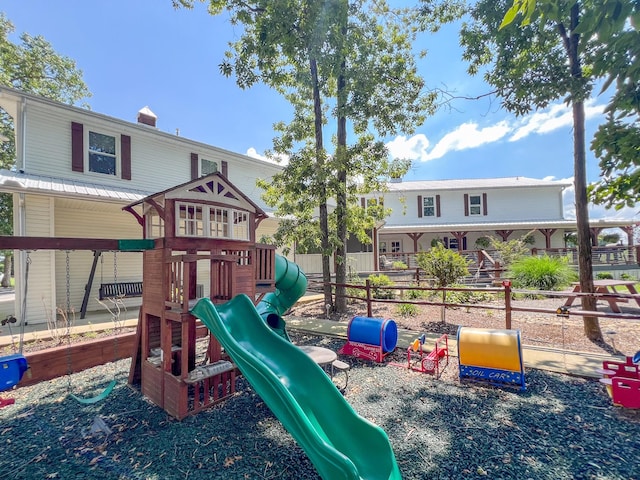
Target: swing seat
(12, 368)
(98, 398)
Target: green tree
(445, 266)
(511, 250)
(612, 25)
(342, 65)
(543, 59)
(31, 66)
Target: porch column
(504, 234)
(415, 237)
(547, 232)
(595, 231)
(629, 231)
(459, 236)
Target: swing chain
(23, 319)
(65, 316)
(116, 319)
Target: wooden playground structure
(199, 241)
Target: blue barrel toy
(373, 331)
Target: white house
(76, 170)
(460, 212)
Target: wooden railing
(230, 272)
(504, 292)
(617, 255)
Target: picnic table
(609, 293)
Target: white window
(428, 206)
(218, 222)
(396, 246)
(240, 225)
(103, 155)
(195, 220)
(189, 220)
(207, 167)
(475, 205)
(155, 224)
(382, 247)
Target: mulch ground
(561, 427)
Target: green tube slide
(341, 444)
(291, 283)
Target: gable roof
(205, 188)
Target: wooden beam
(504, 234)
(415, 237)
(57, 243)
(547, 232)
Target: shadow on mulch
(560, 427)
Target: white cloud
(466, 136)
(253, 153)
(414, 148)
(555, 117)
(471, 135)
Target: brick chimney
(147, 117)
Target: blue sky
(137, 53)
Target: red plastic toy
(420, 361)
(622, 381)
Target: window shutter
(419, 206)
(194, 166)
(225, 168)
(484, 204)
(77, 147)
(125, 152)
(437, 205)
(466, 205)
(363, 202)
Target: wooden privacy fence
(505, 292)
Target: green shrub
(398, 265)
(380, 280)
(407, 310)
(354, 279)
(541, 273)
(446, 266)
(626, 276)
(416, 294)
(604, 276)
(468, 296)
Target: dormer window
(102, 153)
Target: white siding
(92, 220)
(158, 161)
(503, 205)
(40, 295)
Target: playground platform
(581, 364)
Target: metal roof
(467, 184)
(20, 182)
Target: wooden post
(368, 290)
(507, 304)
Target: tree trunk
(341, 191)
(320, 161)
(585, 266)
